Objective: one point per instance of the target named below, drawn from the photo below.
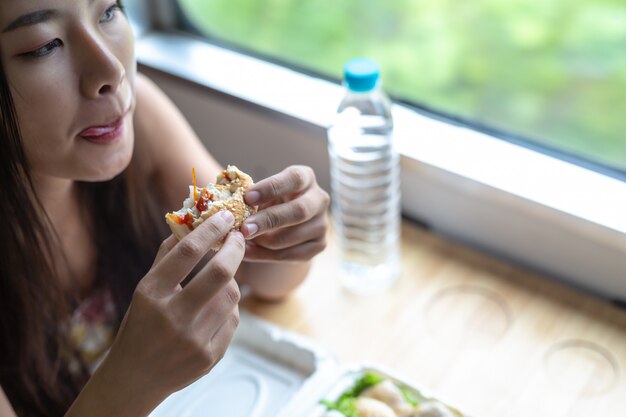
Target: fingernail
(227, 216)
(250, 230)
(253, 197)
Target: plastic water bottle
(365, 182)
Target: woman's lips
(104, 134)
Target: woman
(92, 156)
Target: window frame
(558, 218)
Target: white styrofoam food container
(269, 372)
(264, 371)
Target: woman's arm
(170, 335)
(168, 146)
(289, 229)
(105, 395)
(291, 222)
(100, 398)
(272, 281)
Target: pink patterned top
(92, 329)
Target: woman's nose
(102, 72)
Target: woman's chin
(107, 164)
(109, 171)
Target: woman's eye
(109, 14)
(45, 50)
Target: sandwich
(226, 194)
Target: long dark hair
(128, 228)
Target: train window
(546, 74)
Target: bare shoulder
(149, 108)
(5, 407)
(166, 143)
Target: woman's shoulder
(165, 144)
(148, 108)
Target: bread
(226, 194)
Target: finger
(227, 329)
(217, 310)
(290, 213)
(165, 248)
(293, 179)
(294, 235)
(217, 339)
(218, 272)
(221, 339)
(184, 256)
(302, 252)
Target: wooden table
(488, 337)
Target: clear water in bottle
(365, 184)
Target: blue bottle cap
(361, 74)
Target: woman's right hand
(171, 335)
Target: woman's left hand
(291, 222)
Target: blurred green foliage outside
(553, 71)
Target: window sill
(548, 214)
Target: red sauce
(203, 201)
(202, 204)
(225, 174)
(186, 219)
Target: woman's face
(70, 65)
